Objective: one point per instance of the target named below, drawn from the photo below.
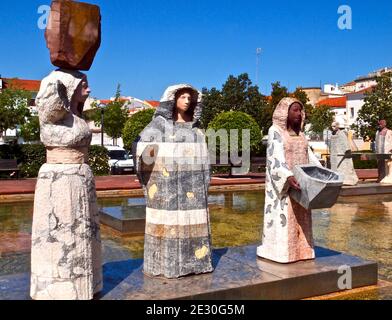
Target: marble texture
(320, 187)
(66, 246)
(238, 275)
(287, 233)
(172, 165)
(341, 160)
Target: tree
(237, 94)
(135, 125)
(378, 105)
(278, 93)
(115, 116)
(321, 119)
(30, 131)
(14, 109)
(213, 105)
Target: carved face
(295, 115)
(184, 101)
(80, 96)
(382, 124)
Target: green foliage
(135, 125)
(237, 94)
(30, 131)
(321, 119)
(278, 93)
(14, 109)
(378, 106)
(241, 121)
(33, 156)
(98, 160)
(365, 164)
(115, 116)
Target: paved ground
(27, 186)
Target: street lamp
(258, 54)
(102, 107)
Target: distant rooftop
(21, 84)
(374, 74)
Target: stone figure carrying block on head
(341, 159)
(384, 146)
(66, 245)
(287, 235)
(172, 164)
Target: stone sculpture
(287, 235)
(384, 147)
(66, 245)
(173, 167)
(341, 159)
(73, 34)
(320, 187)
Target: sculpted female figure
(173, 167)
(287, 235)
(66, 245)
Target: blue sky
(151, 44)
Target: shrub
(99, 160)
(241, 121)
(135, 125)
(33, 156)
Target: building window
(352, 113)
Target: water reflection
(360, 226)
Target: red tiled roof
(21, 84)
(153, 103)
(333, 102)
(106, 101)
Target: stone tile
(239, 274)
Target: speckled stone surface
(238, 274)
(172, 164)
(320, 187)
(341, 160)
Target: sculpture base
(239, 274)
(129, 220)
(365, 189)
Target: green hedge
(31, 157)
(240, 121)
(365, 164)
(135, 125)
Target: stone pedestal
(388, 178)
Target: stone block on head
(73, 34)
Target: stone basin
(320, 187)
